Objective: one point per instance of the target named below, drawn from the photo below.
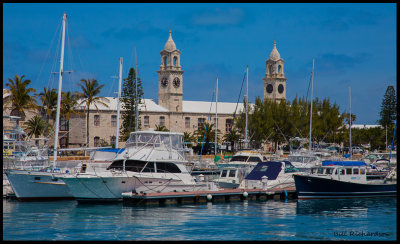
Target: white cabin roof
(149, 105)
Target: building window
(228, 125)
(215, 121)
(187, 122)
(162, 121)
(64, 142)
(96, 121)
(146, 121)
(200, 122)
(64, 124)
(96, 141)
(114, 120)
(113, 140)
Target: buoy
(209, 197)
(245, 194)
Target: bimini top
(343, 163)
(271, 169)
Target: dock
(196, 197)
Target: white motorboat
(153, 162)
(247, 159)
(230, 177)
(271, 174)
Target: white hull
(37, 185)
(111, 188)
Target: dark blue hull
(315, 187)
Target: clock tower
(170, 84)
(274, 80)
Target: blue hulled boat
(345, 179)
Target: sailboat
(45, 183)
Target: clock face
(164, 81)
(280, 88)
(269, 88)
(177, 82)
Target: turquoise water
(361, 219)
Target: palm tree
(35, 126)
(90, 90)
(161, 128)
(21, 99)
(232, 137)
(69, 102)
(48, 99)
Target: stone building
(274, 80)
(171, 110)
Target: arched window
(270, 69)
(280, 69)
(175, 61)
(165, 61)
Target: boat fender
(209, 197)
(245, 194)
(286, 194)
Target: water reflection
(341, 207)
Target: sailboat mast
(216, 119)
(246, 102)
(312, 87)
(59, 91)
(351, 151)
(136, 96)
(119, 99)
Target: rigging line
(48, 51)
(54, 65)
(205, 131)
(234, 114)
(304, 108)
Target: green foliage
(128, 102)
(90, 89)
(161, 128)
(35, 126)
(187, 137)
(69, 101)
(277, 122)
(21, 98)
(388, 111)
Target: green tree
(69, 102)
(388, 111)
(128, 102)
(48, 99)
(21, 99)
(90, 89)
(161, 128)
(189, 138)
(35, 126)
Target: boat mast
(136, 96)
(246, 102)
(216, 120)
(119, 99)
(351, 151)
(59, 91)
(312, 86)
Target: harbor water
(336, 219)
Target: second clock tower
(170, 91)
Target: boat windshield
(254, 159)
(146, 139)
(239, 158)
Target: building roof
(149, 105)
(275, 56)
(170, 45)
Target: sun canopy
(343, 163)
(271, 169)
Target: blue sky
(353, 45)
